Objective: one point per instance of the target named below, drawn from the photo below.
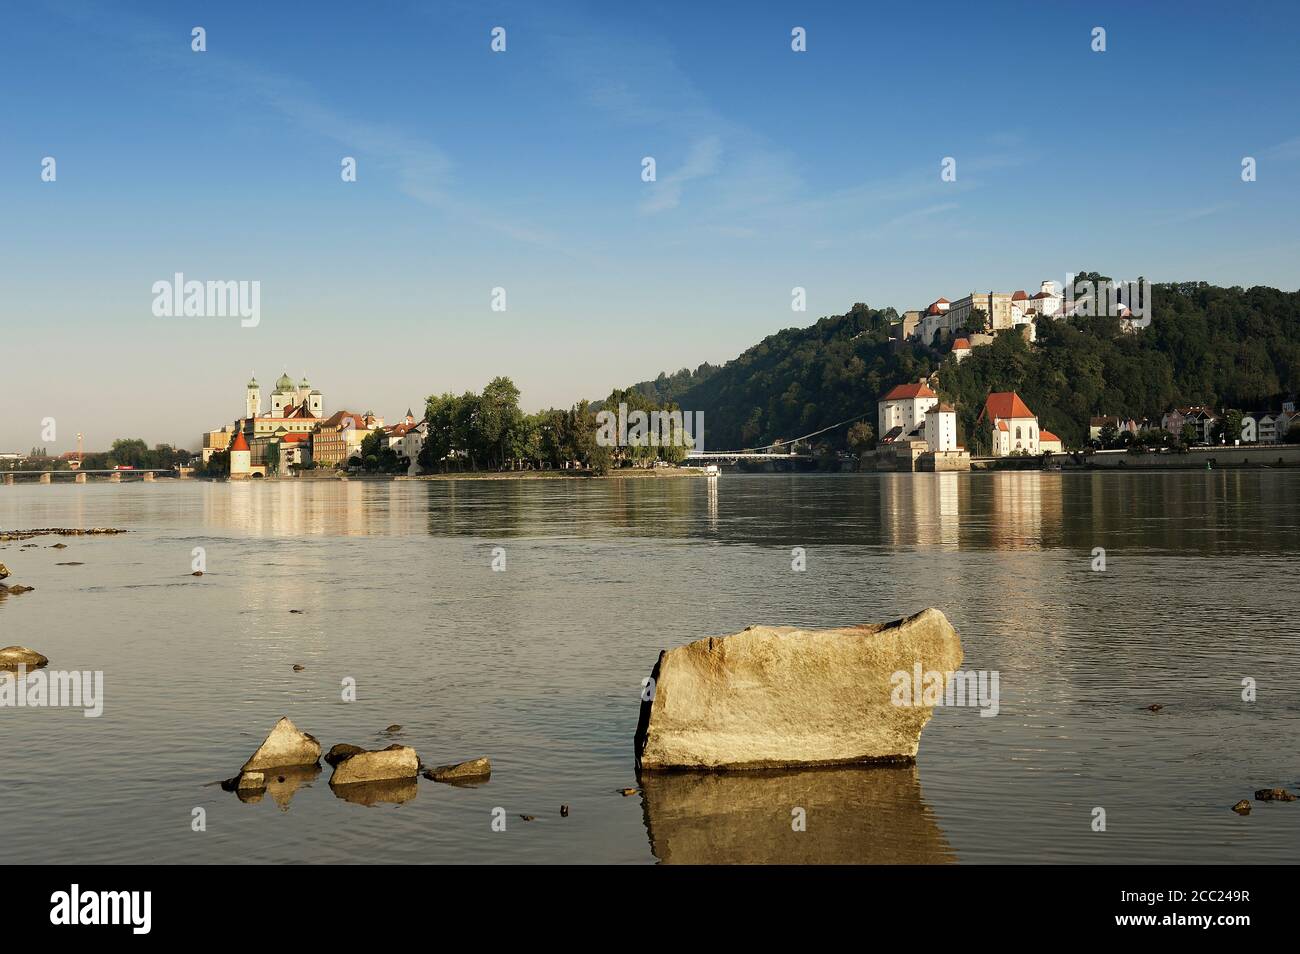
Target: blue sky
(522, 170)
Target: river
(539, 665)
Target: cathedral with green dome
(289, 401)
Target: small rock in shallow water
(1154, 708)
(16, 589)
(251, 781)
(461, 771)
(11, 657)
(4, 571)
(59, 546)
(564, 811)
(528, 817)
(285, 745)
(298, 668)
(1242, 807)
(197, 573)
(394, 728)
(71, 563)
(295, 611)
(625, 792)
(1274, 795)
(394, 762)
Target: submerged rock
(16, 589)
(286, 745)
(473, 770)
(772, 697)
(394, 762)
(4, 571)
(254, 781)
(11, 657)
(1242, 807)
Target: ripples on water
(539, 667)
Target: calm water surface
(539, 666)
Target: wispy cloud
(703, 160)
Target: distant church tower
(312, 398)
(254, 403)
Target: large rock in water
(394, 762)
(775, 697)
(286, 745)
(11, 657)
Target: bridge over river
(83, 476)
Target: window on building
(1017, 434)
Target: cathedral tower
(253, 404)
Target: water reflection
(1012, 510)
(282, 784)
(855, 815)
(395, 791)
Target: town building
(1200, 417)
(1121, 425)
(216, 441)
(961, 350)
(338, 438)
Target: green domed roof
(285, 383)
(252, 383)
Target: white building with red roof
(902, 410)
(241, 463)
(1013, 427)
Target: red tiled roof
(239, 443)
(1002, 425)
(1004, 404)
(294, 438)
(961, 343)
(1019, 296)
(1048, 436)
(904, 391)
(1041, 295)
